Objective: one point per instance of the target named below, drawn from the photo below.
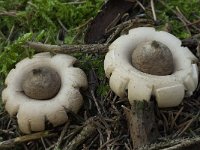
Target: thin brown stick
(153, 10)
(96, 103)
(43, 143)
(18, 140)
(10, 34)
(132, 22)
(198, 50)
(178, 144)
(104, 145)
(113, 22)
(177, 115)
(87, 131)
(141, 5)
(11, 13)
(193, 23)
(62, 25)
(67, 49)
(57, 145)
(186, 127)
(7, 132)
(117, 30)
(188, 124)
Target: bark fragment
(141, 123)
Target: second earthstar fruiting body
(168, 89)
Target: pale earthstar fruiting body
(32, 113)
(168, 89)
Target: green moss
(38, 20)
(13, 53)
(166, 14)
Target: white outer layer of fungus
(168, 90)
(32, 113)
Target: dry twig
(57, 145)
(66, 49)
(153, 10)
(18, 140)
(11, 13)
(88, 129)
(178, 144)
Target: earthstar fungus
(150, 51)
(41, 88)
